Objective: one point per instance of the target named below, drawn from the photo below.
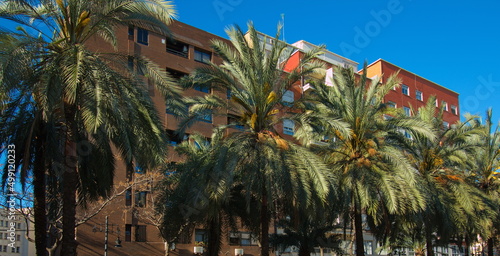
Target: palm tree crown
(86, 96)
(269, 168)
(371, 171)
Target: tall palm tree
(484, 171)
(87, 96)
(440, 162)
(269, 168)
(374, 175)
(22, 124)
(196, 193)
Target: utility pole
(106, 238)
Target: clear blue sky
(453, 43)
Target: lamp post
(118, 242)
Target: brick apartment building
(189, 49)
(415, 91)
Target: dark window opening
(202, 56)
(128, 197)
(175, 139)
(200, 235)
(140, 198)
(140, 233)
(236, 121)
(130, 63)
(128, 233)
(202, 88)
(206, 116)
(131, 32)
(142, 36)
(242, 238)
(176, 74)
(178, 48)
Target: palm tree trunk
(214, 236)
(39, 190)
(264, 223)
(70, 183)
(303, 250)
(467, 245)
(428, 240)
(491, 243)
(358, 230)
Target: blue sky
(453, 43)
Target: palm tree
(22, 125)
(308, 228)
(85, 95)
(484, 173)
(374, 175)
(195, 194)
(269, 168)
(440, 162)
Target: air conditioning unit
(198, 250)
(239, 252)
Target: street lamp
(118, 242)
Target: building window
(142, 36)
(4, 248)
(437, 105)
(419, 95)
(234, 238)
(206, 116)
(178, 48)
(130, 63)
(131, 32)
(446, 125)
(288, 98)
(445, 105)
(407, 134)
(128, 233)
(391, 104)
(235, 121)
(175, 73)
(174, 139)
(18, 250)
(202, 88)
(13, 249)
(288, 127)
(128, 197)
(405, 90)
(18, 237)
(140, 233)
(200, 235)
(242, 238)
(454, 110)
(368, 247)
(407, 111)
(140, 198)
(202, 56)
(18, 225)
